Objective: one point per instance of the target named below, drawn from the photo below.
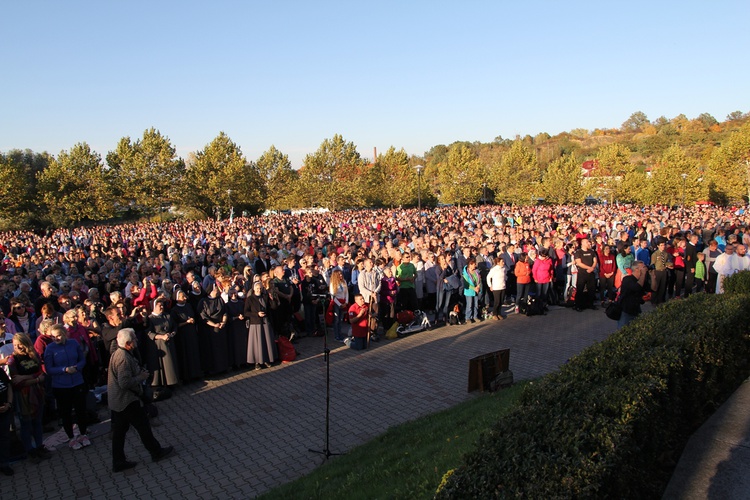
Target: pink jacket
(542, 270)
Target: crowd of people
(189, 300)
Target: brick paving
(243, 434)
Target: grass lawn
(409, 460)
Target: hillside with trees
(670, 161)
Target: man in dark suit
(263, 263)
(509, 257)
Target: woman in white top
(496, 282)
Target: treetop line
(676, 161)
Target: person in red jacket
(607, 270)
(358, 317)
(522, 271)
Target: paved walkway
(716, 460)
(241, 435)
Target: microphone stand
(326, 451)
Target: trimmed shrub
(612, 422)
(738, 283)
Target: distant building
(588, 167)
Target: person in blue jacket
(64, 361)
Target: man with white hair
(124, 391)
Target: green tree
(728, 172)
(666, 183)
(219, 177)
(563, 181)
(74, 187)
(614, 165)
(18, 186)
(393, 182)
(636, 122)
(335, 175)
(736, 116)
(460, 178)
(146, 172)
(634, 188)
(279, 179)
(516, 178)
(707, 120)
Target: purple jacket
(388, 290)
(57, 357)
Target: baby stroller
(417, 322)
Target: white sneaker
(84, 440)
(75, 444)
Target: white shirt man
(726, 265)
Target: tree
(460, 178)
(666, 184)
(736, 116)
(706, 120)
(636, 121)
(18, 185)
(614, 165)
(516, 178)
(634, 187)
(279, 179)
(335, 175)
(728, 171)
(146, 172)
(680, 122)
(563, 181)
(393, 182)
(74, 187)
(219, 177)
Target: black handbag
(614, 310)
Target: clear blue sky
(411, 74)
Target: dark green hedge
(613, 421)
(738, 283)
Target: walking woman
(64, 361)
(260, 345)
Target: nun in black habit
(213, 337)
(186, 341)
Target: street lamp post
(684, 178)
(747, 167)
(419, 186)
(231, 208)
(484, 193)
